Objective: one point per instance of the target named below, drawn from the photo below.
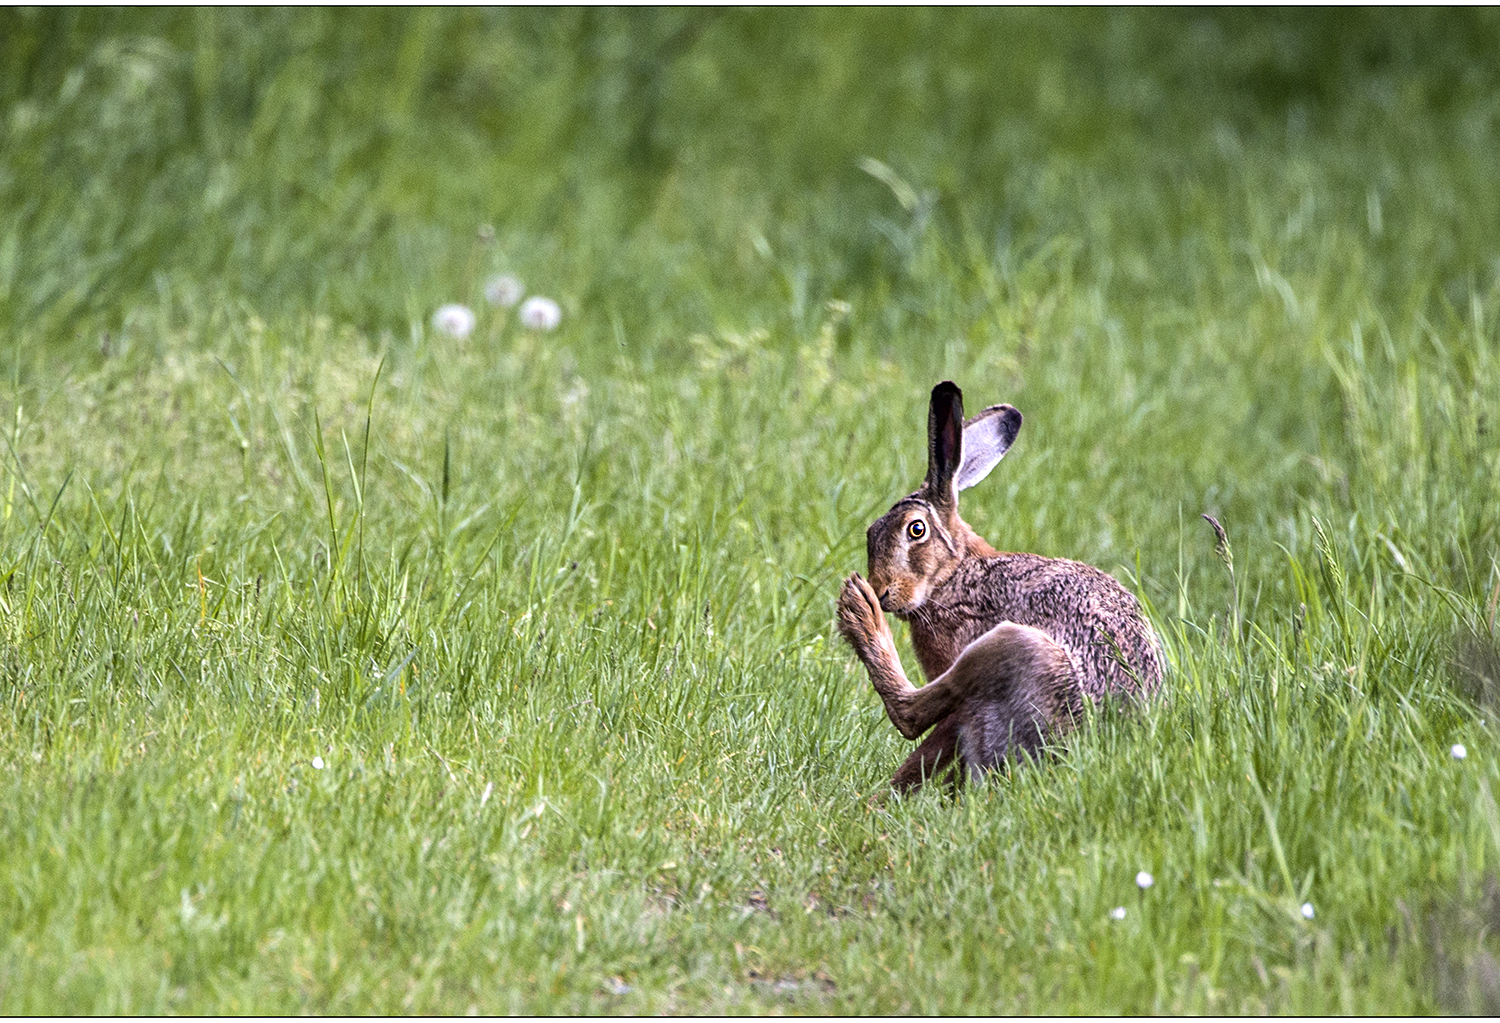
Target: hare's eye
(916, 529)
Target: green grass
(554, 611)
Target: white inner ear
(984, 445)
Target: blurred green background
(337, 159)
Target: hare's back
(1085, 609)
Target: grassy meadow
(351, 667)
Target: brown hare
(1012, 643)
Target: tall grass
(552, 611)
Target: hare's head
(916, 545)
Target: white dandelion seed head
(1458, 751)
(1144, 880)
(457, 321)
(1118, 913)
(540, 313)
(504, 290)
(1307, 911)
(317, 763)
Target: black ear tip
(945, 396)
(946, 391)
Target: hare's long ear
(945, 442)
(987, 437)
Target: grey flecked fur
(1012, 642)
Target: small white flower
(1307, 911)
(504, 290)
(1118, 913)
(317, 763)
(540, 313)
(1458, 751)
(1144, 880)
(454, 320)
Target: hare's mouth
(897, 602)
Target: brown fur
(1013, 643)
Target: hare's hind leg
(1013, 672)
(1019, 670)
(1015, 666)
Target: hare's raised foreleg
(1013, 664)
(863, 624)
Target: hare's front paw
(860, 619)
